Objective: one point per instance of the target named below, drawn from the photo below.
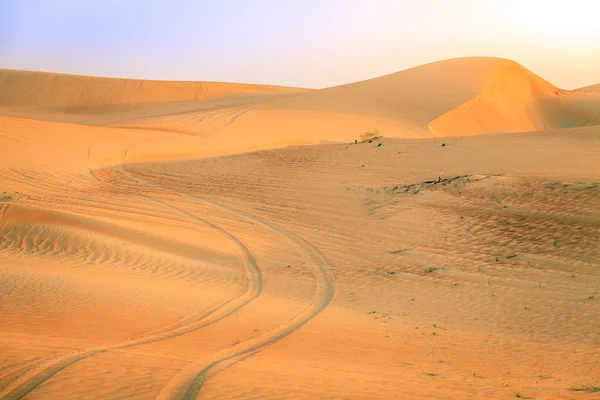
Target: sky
(306, 43)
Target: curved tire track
(189, 383)
(40, 373)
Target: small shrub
(586, 389)
(369, 135)
(397, 251)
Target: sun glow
(564, 20)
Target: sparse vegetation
(397, 251)
(6, 196)
(380, 144)
(586, 389)
(369, 136)
(431, 270)
(555, 244)
(593, 296)
(508, 257)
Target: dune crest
(517, 100)
(78, 93)
(591, 88)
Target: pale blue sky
(310, 43)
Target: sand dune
(448, 98)
(399, 105)
(592, 88)
(158, 240)
(516, 100)
(85, 94)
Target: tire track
(189, 383)
(40, 373)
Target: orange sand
(161, 240)
(516, 100)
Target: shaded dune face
(517, 100)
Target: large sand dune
(76, 93)
(454, 97)
(516, 100)
(160, 243)
(399, 105)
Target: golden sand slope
(334, 271)
(517, 100)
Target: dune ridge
(455, 97)
(591, 88)
(517, 100)
(77, 93)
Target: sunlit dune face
(561, 19)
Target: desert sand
(182, 240)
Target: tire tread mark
(46, 369)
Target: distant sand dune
(76, 93)
(591, 88)
(455, 97)
(517, 100)
(399, 105)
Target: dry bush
(369, 135)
